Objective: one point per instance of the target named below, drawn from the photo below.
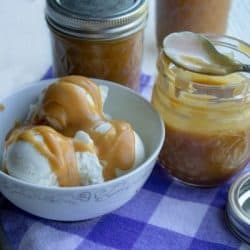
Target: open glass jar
(207, 118)
(100, 39)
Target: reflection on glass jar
(202, 16)
(98, 39)
(207, 118)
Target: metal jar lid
(238, 208)
(97, 19)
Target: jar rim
(121, 24)
(232, 46)
(243, 83)
(232, 38)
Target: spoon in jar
(196, 53)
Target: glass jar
(98, 39)
(207, 118)
(202, 16)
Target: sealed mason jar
(100, 39)
(201, 16)
(207, 118)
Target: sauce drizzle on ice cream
(58, 149)
(75, 103)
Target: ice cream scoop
(88, 164)
(139, 150)
(75, 103)
(70, 104)
(40, 155)
(69, 141)
(37, 111)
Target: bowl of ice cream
(80, 148)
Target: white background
(25, 46)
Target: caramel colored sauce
(58, 149)
(2, 108)
(117, 60)
(207, 139)
(66, 108)
(205, 159)
(193, 15)
(116, 148)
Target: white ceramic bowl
(79, 203)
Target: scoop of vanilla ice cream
(139, 147)
(35, 107)
(139, 150)
(88, 163)
(139, 155)
(23, 161)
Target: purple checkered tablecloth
(165, 214)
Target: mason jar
(100, 39)
(207, 118)
(202, 16)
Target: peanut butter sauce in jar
(202, 16)
(99, 39)
(207, 118)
